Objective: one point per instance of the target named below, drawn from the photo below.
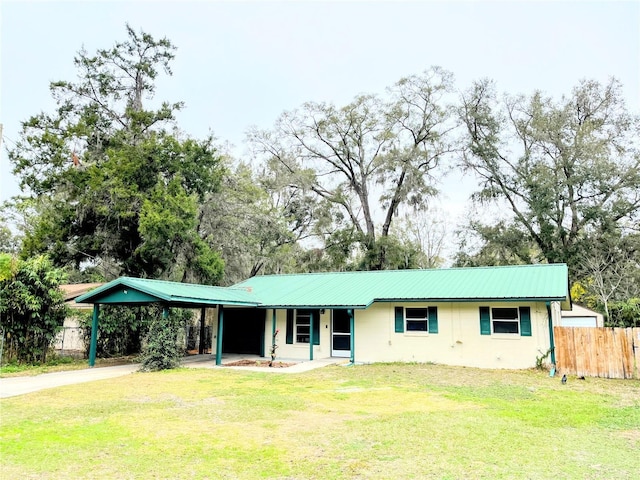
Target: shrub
(163, 350)
(122, 329)
(32, 308)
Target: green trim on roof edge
(171, 293)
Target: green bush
(163, 350)
(121, 330)
(624, 313)
(32, 308)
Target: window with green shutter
(485, 321)
(399, 319)
(505, 320)
(416, 319)
(433, 319)
(289, 335)
(525, 321)
(299, 326)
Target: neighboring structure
(491, 317)
(580, 316)
(70, 339)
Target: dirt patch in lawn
(257, 363)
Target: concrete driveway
(14, 386)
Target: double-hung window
(418, 319)
(505, 320)
(303, 326)
(300, 323)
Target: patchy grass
(372, 421)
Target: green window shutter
(289, 326)
(316, 326)
(399, 319)
(525, 321)
(485, 321)
(433, 319)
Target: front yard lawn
(372, 421)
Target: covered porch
(243, 321)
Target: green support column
(203, 312)
(552, 345)
(352, 337)
(219, 339)
(165, 311)
(94, 335)
(311, 335)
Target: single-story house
(490, 317)
(580, 316)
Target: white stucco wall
(297, 351)
(458, 341)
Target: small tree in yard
(162, 350)
(274, 347)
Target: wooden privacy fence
(598, 351)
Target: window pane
(416, 325)
(341, 342)
(302, 329)
(505, 313)
(505, 327)
(416, 313)
(341, 322)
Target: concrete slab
(209, 361)
(13, 386)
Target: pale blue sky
(242, 63)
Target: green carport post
(352, 328)
(310, 335)
(94, 335)
(219, 339)
(552, 345)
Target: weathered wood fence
(598, 351)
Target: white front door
(340, 334)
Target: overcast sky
(242, 63)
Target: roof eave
(318, 306)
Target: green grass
(365, 422)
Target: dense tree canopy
(107, 183)
(371, 154)
(568, 170)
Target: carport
(129, 291)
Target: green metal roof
(351, 289)
(126, 290)
(361, 289)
